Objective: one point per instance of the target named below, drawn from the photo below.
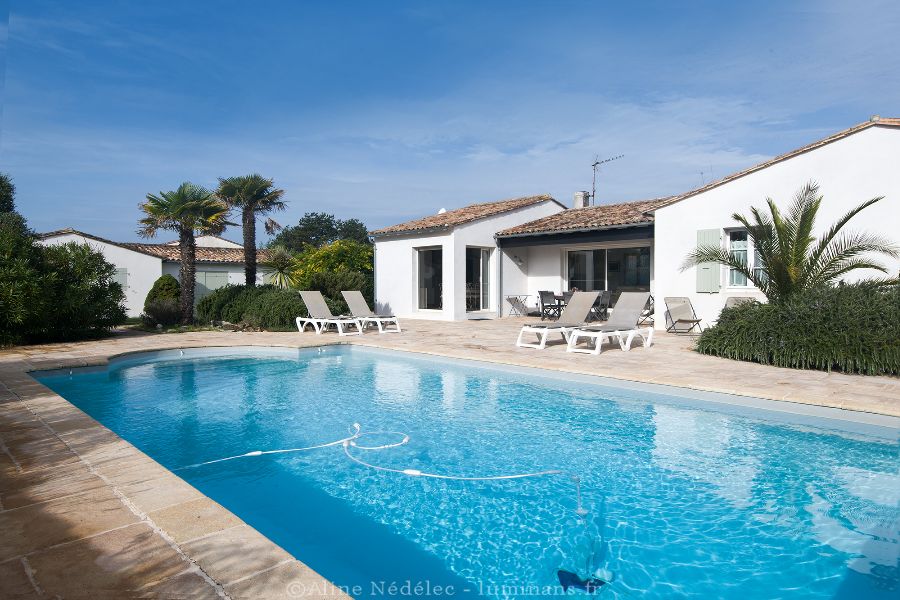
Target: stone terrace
(84, 514)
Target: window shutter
(709, 278)
(121, 277)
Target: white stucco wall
(849, 171)
(142, 269)
(396, 269)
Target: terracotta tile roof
(873, 122)
(467, 214)
(166, 251)
(590, 218)
(204, 254)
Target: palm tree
(789, 258)
(283, 267)
(253, 195)
(190, 210)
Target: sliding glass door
(430, 278)
(615, 269)
(477, 279)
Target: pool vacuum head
(567, 580)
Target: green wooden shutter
(206, 282)
(121, 277)
(709, 278)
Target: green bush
(331, 283)
(163, 311)
(851, 328)
(210, 308)
(275, 310)
(83, 300)
(23, 300)
(164, 288)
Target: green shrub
(210, 308)
(164, 288)
(331, 283)
(83, 299)
(234, 311)
(163, 311)
(23, 299)
(851, 328)
(275, 310)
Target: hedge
(850, 328)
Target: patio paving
(84, 514)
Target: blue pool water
(686, 499)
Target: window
(430, 278)
(587, 270)
(738, 247)
(477, 278)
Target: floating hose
(348, 443)
(356, 433)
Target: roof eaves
(578, 230)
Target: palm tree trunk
(249, 223)
(188, 248)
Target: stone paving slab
(84, 514)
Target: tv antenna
(595, 166)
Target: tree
(189, 210)
(317, 229)
(282, 266)
(342, 255)
(352, 229)
(7, 194)
(790, 259)
(252, 195)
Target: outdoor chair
(359, 308)
(320, 316)
(647, 315)
(573, 315)
(600, 311)
(550, 309)
(733, 301)
(622, 325)
(680, 315)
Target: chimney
(582, 199)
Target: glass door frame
(484, 278)
(619, 245)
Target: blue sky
(386, 111)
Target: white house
(446, 266)
(138, 266)
(427, 268)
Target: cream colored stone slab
(160, 492)
(235, 553)
(43, 453)
(193, 519)
(123, 561)
(289, 581)
(14, 582)
(38, 526)
(187, 586)
(19, 489)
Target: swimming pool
(685, 498)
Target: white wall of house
(396, 269)
(848, 171)
(138, 271)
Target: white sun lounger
(573, 316)
(622, 325)
(320, 316)
(359, 308)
